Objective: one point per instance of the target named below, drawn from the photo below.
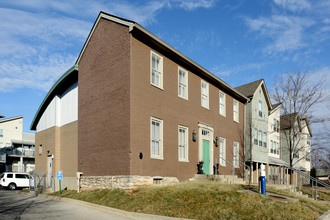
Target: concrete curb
(131, 215)
(325, 216)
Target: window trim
(185, 83)
(207, 95)
(186, 159)
(161, 150)
(221, 161)
(224, 103)
(236, 165)
(161, 71)
(235, 101)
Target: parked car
(11, 180)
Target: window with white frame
(278, 148)
(255, 136)
(265, 139)
(156, 133)
(222, 104)
(275, 124)
(235, 111)
(222, 143)
(183, 83)
(156, 70)
(1, 132)
(260, 138)
(183, 143)
(205, 94)
(260, 108)
(271, 146)
(236, 155)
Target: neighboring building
(296, 140)
(16, 147)
(256, 129)
(146, 113)
(323, 175)
(276, 169)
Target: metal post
(233, 174)
(316, 190)
(312, 189)
(279, 174)
(294, 181)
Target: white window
(260, 138)
(1, 132)
(271, 147)
(222, 143)
(235, 111)
(156, 133)
(260, 108)
(255, 136)
(156, 70)
(183, 143)
(183, 83)
(40, 149)
(265, 139)
(205, 94)
(222, 104)
(236, 155)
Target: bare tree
(298, 92)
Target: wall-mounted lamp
(194, 136)
(48, 151)
(216, 141)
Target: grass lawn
(202, 200)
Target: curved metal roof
(63, 83)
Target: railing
(313, 179)
(233, 167)
(17, 152)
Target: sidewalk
(131, 215)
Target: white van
(12, 180)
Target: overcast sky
(239, 41)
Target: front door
(50, 168)
(206, 156)
(205, 147)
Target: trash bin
(263, 185)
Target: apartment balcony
(18, 152)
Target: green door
(206, 156)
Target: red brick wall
(103, 97)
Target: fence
(37, 182)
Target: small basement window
(158, 180)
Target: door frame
(208, 137)
(49, 170)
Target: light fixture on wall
(216, 141)
(194, 136)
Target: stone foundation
(124, 182)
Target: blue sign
(59, 175)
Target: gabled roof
(288, 120)
(134, 27)
(275, 107)
(249, 89)
(11, 119)
(63, 83)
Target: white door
(50, 168)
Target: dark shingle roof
(288, 120)
(249, 89)
(276, 105)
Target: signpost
(60, 177)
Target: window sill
(185, 98)
(182, 160)
(158, 87)
(157, 158)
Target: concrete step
(218, 178)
